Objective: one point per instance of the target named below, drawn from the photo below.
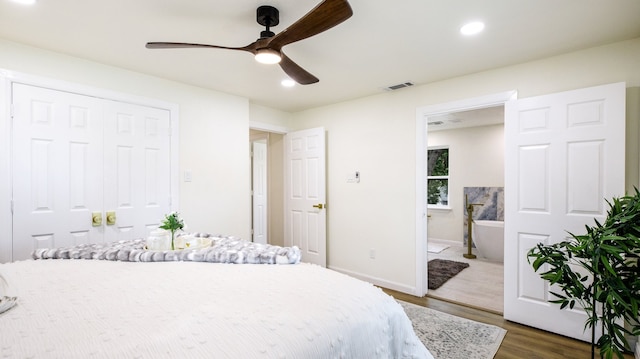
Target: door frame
(7, 79)
(268, 129)
(422, 114)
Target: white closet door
(137, 169)
(76, 155)
(57, 169)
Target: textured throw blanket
(224, 249)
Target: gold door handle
(96, 219)
(319, 206)
(111, 218)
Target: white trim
(377, 281)
(422, 113)
(468, 104)
(8, 78)
(6, 230)
(267, 127)
(174, 112)
(439, 208)
(421, 205)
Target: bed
(179, 308)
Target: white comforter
(87, 308)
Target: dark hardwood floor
(521, 342)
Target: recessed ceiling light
(288, 83)
(25, 2)
(472, 28)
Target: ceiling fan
(268, 48)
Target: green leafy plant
(610, 292)
(172, 222)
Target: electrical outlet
(372, 253)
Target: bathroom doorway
(462, 127)
(475, 142)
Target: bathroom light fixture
(472, 28)
(268, 56)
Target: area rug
(441, 270)
(436, 248)
(450, 337)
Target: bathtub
(488, 237)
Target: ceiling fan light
(268, 56)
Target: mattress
(92, 308)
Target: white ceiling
(383, 44)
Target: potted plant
(172, 222)
(610, 291)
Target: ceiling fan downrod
(267, 16)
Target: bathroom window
(438, 177)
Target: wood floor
(480, 286)
(521, 342)
(476, 294)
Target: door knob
(319, 206)
(111, 218)
(96, 219)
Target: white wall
(268, 119)
(213, 134)
(476, 159)
(376, 135)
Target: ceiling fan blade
(297, 73)
(178, 45)
(326, 15)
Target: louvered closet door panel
(57, 169)
(137, 168)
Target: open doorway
(465, 163)
(267, 149)
(423, 116)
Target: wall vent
(398, 86)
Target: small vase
(158, 240)
(172, 237)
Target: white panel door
(76, 155)
(305, 191)
(564, 156)
(57, 169)
(259, 186)
(137, 169)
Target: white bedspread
(87, 308)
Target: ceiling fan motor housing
(267, 16)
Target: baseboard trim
(399, 287)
